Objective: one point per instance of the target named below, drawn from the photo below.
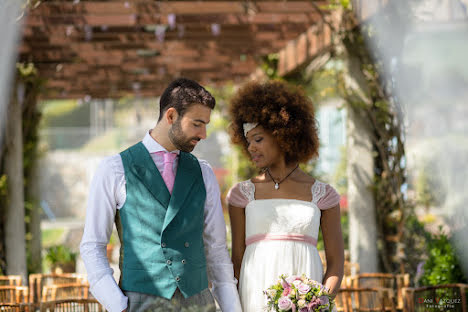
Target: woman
(275, 216)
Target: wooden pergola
(106, 49)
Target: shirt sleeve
(236, 198)
(100, 215)
(330, 199)
(219, 265)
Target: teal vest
(162, 235)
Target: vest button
(163, 245)
(169, 262)
(177, 278)
(183, 261)
(186, 244)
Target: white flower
(271, 293)
(297, 283)
(301, 303)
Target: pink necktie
(168, 172)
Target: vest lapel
(186, 176)
(147, 172)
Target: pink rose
(303, 289)
(291, 279)
(284, 303)
(286, 292)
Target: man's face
(189, 129)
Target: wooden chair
(16, 307)
(10, 280)
(449, 297)
(382, 280)
(351, 268)
(65, 291)
(38, 281)
(13, 294)
(365, 300)
(72, 305)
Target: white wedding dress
(281, 237)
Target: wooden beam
(51, 8)
(300, 51)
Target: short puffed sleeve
(241, 194)
(330, 199)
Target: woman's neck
(280, 170)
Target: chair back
(382, 280)
(13, 294)
(72, 305)
(449, 297)
(38, 281)
(365, 300)
(351, 268)
(10, 280)
(16, 307)
(373, 280)
(65, 291)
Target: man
(167, 210)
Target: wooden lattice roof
(110, 48)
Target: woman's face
(263, 148)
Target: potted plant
(61, 259)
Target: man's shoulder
(111, 163)
(205, 165)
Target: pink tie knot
(169, 157)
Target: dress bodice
(281, 216)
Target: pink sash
(281, 236)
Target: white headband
(248, 126)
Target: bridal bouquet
(298, 294)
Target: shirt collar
(152, 146)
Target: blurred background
(81, 80)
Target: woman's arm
(334, 248)
(237, 217)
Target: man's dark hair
(183, 93)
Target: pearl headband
(249, 126)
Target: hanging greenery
(27, 86)
(398, 251)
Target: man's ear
(171, 115)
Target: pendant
(276, 186)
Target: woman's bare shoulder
(303, 177)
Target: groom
(166, 206)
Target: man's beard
(179, 139)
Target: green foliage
(60, 254)
(3, 187)
(270, 65)
(65, 113)
(340, 177)
(429, 192)
(114, 239)
(443, 264)
(51, 237)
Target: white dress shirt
(108, 193)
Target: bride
(276, 216)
